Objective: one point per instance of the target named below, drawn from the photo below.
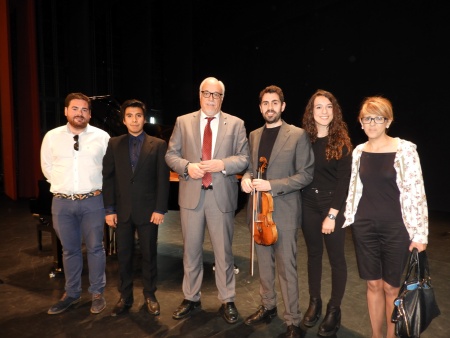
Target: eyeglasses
(207, 94)
(76, 145)
(376, 119)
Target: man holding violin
(289, 168)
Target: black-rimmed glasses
(207, 94)
(376, 119)
(76, 145)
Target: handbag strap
(418, 268)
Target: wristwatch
(186, 171)
(331, 216)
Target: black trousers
(148, 238)
(316, 205)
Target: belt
(78, 196)
(317, 190)
(209, 187)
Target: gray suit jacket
(231, 147)
(290, 168)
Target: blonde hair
(376, 105)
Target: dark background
(160, 51)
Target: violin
(264, 229)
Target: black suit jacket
(136, 194)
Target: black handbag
(415, 307)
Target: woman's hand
(420, 246)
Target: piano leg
(57, 269)
(45, 224)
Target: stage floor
(27, 290)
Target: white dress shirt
(69, 171)
(214, 127)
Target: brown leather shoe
(261, 315)
(229, 312)
(185, 308)
(121, 307)
(153, 307)
(294, 332)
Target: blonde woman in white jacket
(387, 208)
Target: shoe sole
(95, 312)
(227, 320)
(329, 333)
(311, 324)
(265, 320)
(195, 309)
(61, 311)
(156, 313)
(125, 310)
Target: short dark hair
(272, 89)
(132, 103)
(77, 96)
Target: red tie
(206, 150)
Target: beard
(272, 119)
(79, 122)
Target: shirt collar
(204, 116)
(140, 137)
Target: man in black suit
(135, 193)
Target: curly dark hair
(338, 137)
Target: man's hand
(111, 220)
(194, 171)
(157, 218)
(261, 185)
(246, 185)
(212, 166)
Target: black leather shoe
(261, 315)
(229, 312)
(152, 307)
(121, 307)
(331, 323)
(293, 332)
(185, 308)
(313, 313)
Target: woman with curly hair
(323, 206)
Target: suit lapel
(221, 132)
(255, 153)
(283, 136)
(195, 124)
(124, 149)
(145, 150)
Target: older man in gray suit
(290, 167)
(208, 193)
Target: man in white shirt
(71, 160)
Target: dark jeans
(316, 205)
(75, 221)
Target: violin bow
(262, 166)
(252, 239)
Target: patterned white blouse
(409, 180)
